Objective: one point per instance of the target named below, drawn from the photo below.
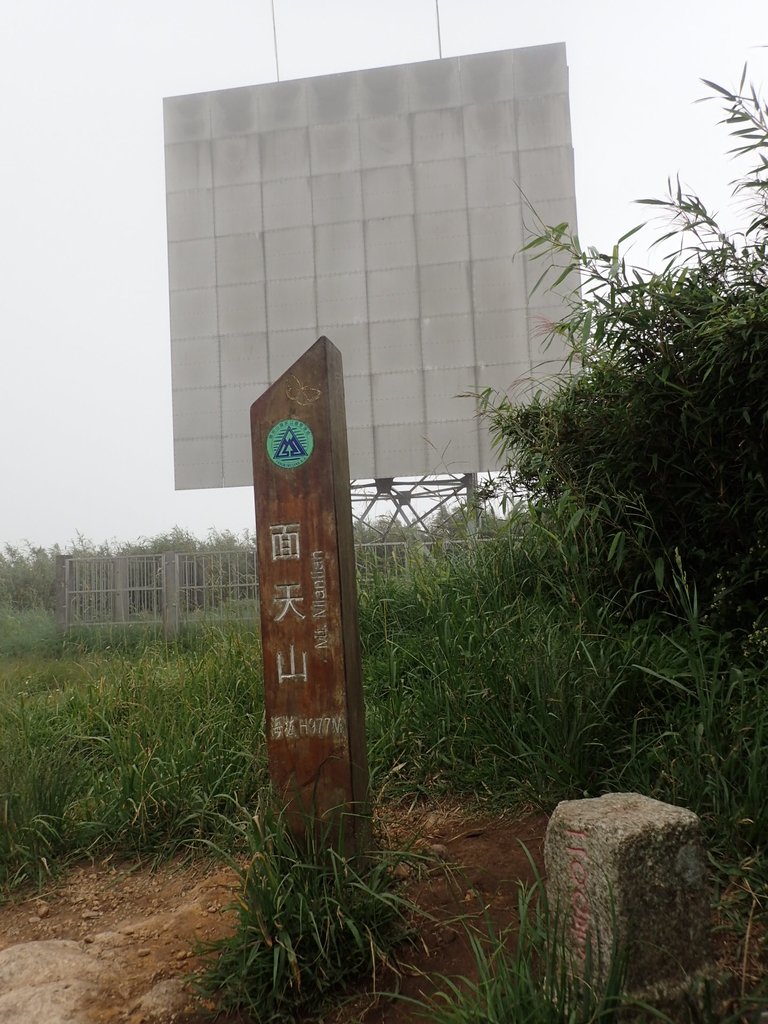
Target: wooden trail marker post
(308, 602)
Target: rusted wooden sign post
(308, 602)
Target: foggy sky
(85, 390)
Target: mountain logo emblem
(290, 444)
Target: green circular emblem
(290, 443)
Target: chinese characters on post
(313, 692)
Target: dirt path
(113, 942)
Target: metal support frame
(385, 502)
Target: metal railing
(167, 590)
(178, 588)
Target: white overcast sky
(85, 389)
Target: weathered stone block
(627, 870)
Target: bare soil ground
(142, 925)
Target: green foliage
(500, 672)
(28, 631)
(28, 573)
(309, 919)
(492, 671)
(145, 753)
(28, 578)
(525, 978)
(659, 441)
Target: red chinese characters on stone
(579, 902)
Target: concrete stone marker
(308, 602)
(629, 869)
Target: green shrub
(656, 448)
(309, 920)
(524, 977)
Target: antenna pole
(274, 37)
(439, 40)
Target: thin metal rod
(274, 36)
(439, 39)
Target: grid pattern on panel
(383, 208)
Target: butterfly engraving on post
(301, 394)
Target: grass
(525, 978)
(145, 753)
(494, 673)
(27, 633)
(487, 680)
(309, 919)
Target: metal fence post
(62, 602)
(170, 595)
(122, 599)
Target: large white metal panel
(537, 70)
(452, 445)
(492, 179)
(353, 341)
(236, 209)
(240, 259)
(442, 237)
(388, 191)
(234, 112)
(188, 119)
(243, 359)
(193, 314)
(447, 341)
(237, 460)
(489, 77)
(236, 161)
(284, 154)
(401, 444)
(543, 121)
(438, 134)
(497, 284)
(357, 400)
(339, 248)
(397, 397)
(501, 336)
(190, 214)
(280, 105)
(489, 128)
(291, 304)
(440, 185)
(337, 197)
(289, 252)
(196, 363)
(192, 264)
(385, 141)
(390, 242)
(341, 299)
(360, 441)
(331, 98)
(443, 385)
(434, 84)
(385, 208)
(286, 204)
(393, 294)
(382, 91)
(495, 232)
(334, 148)
(445, 288)
(188, 166)
(544, 173)
(197, 413)
(285, 348)
(396, 346)
(241, 309)
(198, 462)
